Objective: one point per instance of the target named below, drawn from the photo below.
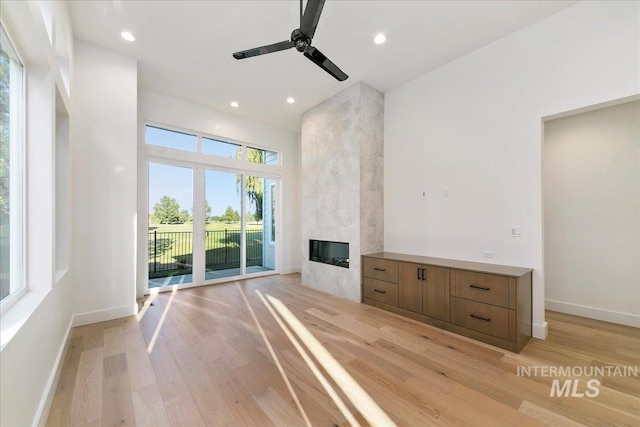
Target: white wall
(104, 183)
(473, 128)
(592, 214)
(30, 362)
(162, 109)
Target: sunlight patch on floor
(153, 294)
(314, 368)
(367, 407)
(275, 358)
(152, 342)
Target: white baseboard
(594, 313)
(290, 270)
(104, 315)
(50, 388)
(540, 330)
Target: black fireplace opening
(333, 253)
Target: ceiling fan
(301, 40)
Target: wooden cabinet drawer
(488, 319)
(381, 291)
(381, 269)
(486, 288)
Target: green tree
(5, 107)
(185, 216)
(250, 217)
(207, 212)
(230, 215)
(255, 187)
(167, 211)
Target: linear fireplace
(333, 253)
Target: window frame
(200, 162)
(17, 193)
(161, 151)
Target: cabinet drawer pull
(379, 291)
(480, 318)
(479, 287)
(423, 270)
(418, 274)
(379, 269)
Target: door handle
(423, 278)
(379, 291)
(418, 270)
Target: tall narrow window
(11, 170)
(272, 202)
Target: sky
(221, 188)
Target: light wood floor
(205, 356)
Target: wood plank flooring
(254, 353)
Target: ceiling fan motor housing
(301, 40)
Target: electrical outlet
(445, 193)
(516, 231)
(489, 254)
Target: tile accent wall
(342, 184)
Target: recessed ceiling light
(379, 39)
(290, 100)
(128, 36)
(234, 104)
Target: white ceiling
(184, 47)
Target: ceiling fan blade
(323, 62)
(311, 17)
(276, 47)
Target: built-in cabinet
(424, 289)
(491, 303)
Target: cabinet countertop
(503, 270)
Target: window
(221, 148)
(223, 215)
(198, 143)
(11, 170)
(171, 139)
(272, 201)
(256, 155)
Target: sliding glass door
(170, 233)
(223, 216)
(235, 235)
